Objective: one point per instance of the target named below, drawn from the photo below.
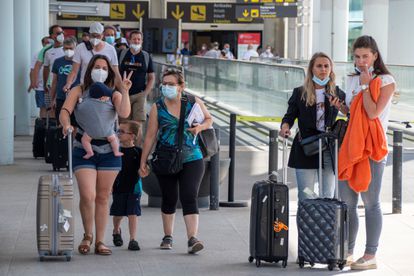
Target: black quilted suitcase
(269, 220)
(323, 227)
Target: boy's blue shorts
(125, 204)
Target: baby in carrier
(102, 95)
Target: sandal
(117, 238)
(85, 248)
(100, 249)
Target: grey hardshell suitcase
(54, 219)
(323, 227)
(269, 220)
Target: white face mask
(99, 75)
(69, 53)
(135, 47)
(268, 51)
(204, 47)
(95, 41)
(60, 38)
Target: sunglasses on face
(121, 131)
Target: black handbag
(310, 145)
(208, 142)
(168, 159)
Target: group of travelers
(99, 89)
(363, 153)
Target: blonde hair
(308, 93)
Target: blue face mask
(358, 71)
(169, 91)
(320, 82)
(110, 39)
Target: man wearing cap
(85, 51)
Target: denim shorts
(40, 98)
(125, 204)
(99, 161)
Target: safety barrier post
(273, 151)
(397, 171)
(232, 155)
(215, 176)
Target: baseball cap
(96, 28)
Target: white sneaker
(349, 260)
(362, 264)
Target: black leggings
(189, 179)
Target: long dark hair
(110, 80)
(369, 42)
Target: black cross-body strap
(181, 122)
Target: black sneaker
(117, 239)
(166, 243)
(133, 245)
(194, 245)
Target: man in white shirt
(214, 51)
(51, 55)
(85, 51)
(229, 54)
(267, 53)
(251, 52)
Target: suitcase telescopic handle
(70, 131)
(284, 160)
(335, 154)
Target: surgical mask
(95, 41)
(69, 53)
(268, 51)
(118, 35)
(169, 91)
(203, 48)
(320, 82)
(60, 38)
(226, 50)
(135, 47)
(99, 75)
(358, 71)
(110, 39)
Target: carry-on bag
(323, 226)
(59, 150)
(51, 129)
(39, 138)
(269, 219)
(54, 218)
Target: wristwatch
(364, 87)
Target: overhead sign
(265, 11)
(266, 1)
(227, 12)
(118, 11)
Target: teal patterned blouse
(167, 132)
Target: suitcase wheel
(284, 263)
(68, 258)
(251, 259)
(54, 168)
(312, 264)
(258, 262)
(41, 258)
(331, 266)
(341, 266)
(301, 262)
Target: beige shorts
(138, 102)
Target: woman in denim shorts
(96, 175)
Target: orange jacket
(364, 140)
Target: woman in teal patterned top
(164, 119)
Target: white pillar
(400, 33)
(21, 65)
(7, 84)
(332, 24)
(39, 25)
(376, 23)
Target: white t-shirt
(50, 56)
(39, 83)
(353, 87)
(320, 109)
(266, 55)
(250, 53)
(83, 56)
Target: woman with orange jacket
(362, 156)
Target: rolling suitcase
(323, 226)
(59, 150)
(269, 219)
(48, 141)
(54, 218)
(39, 138)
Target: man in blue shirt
(60, 70)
